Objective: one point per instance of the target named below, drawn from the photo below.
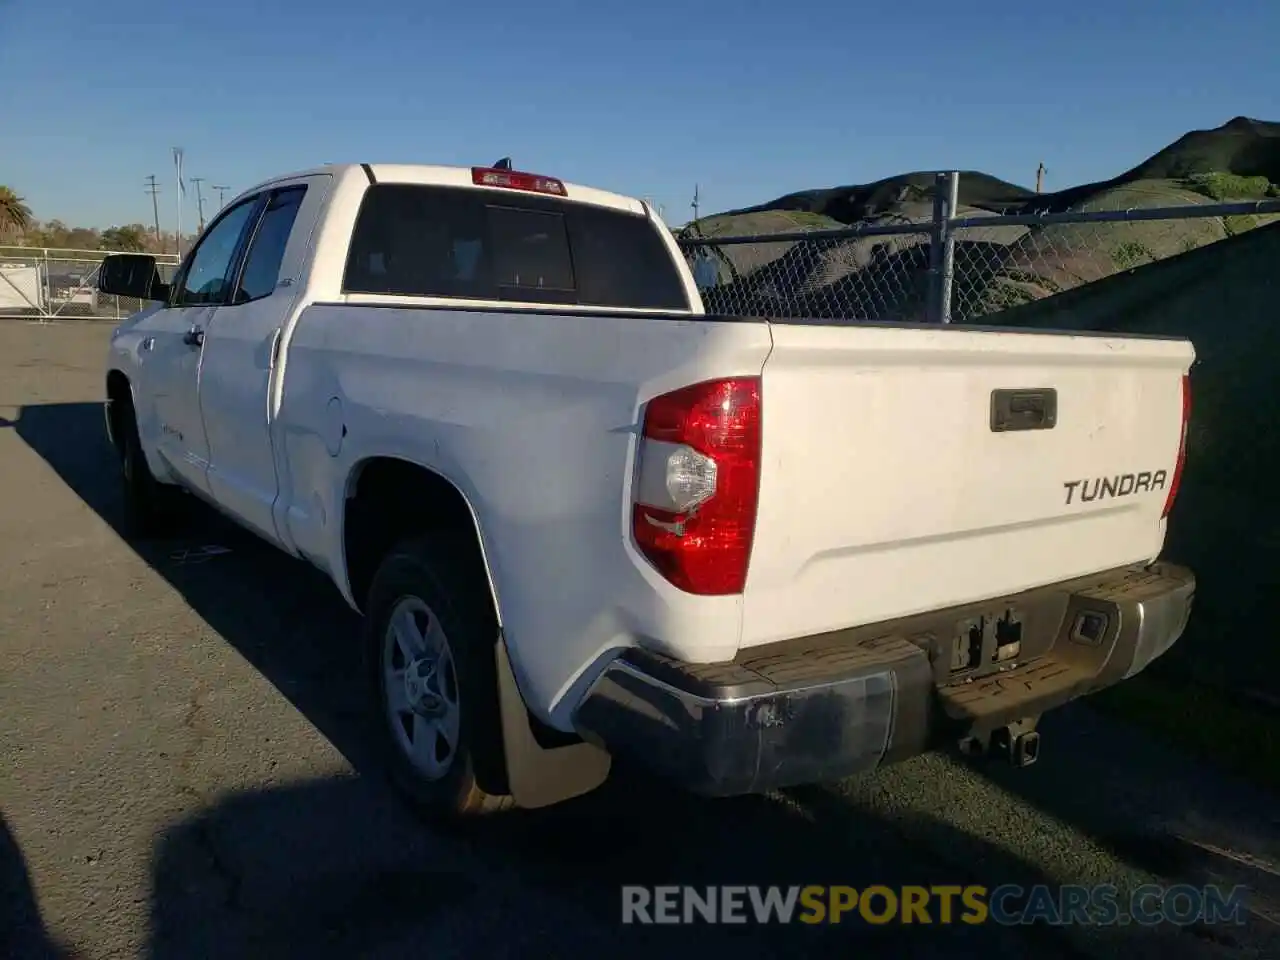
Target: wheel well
(120, 398)
(390, 499)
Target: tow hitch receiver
(1017, 742)
(1020, 749)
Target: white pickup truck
(583, 520)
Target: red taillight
(514, 180)
(1176, 481)
(697, 480)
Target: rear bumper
(825, 707)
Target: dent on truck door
(241, 354)
(174, 363)
(177, 352)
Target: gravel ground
(185, 772)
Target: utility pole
(1040, 172)
(153, 188)
(222, 193)
(199, 201)
(695, 203)
(182, 192)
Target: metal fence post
(948, 247)
(937, 237)
(46, 283)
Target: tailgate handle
(1035, 409)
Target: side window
(266, 249)
(206, 278)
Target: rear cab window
(476, 244)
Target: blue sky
(748, 99)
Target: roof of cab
(443, 176)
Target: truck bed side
(532, 416)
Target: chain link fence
(47, 284)
(922, 259)
(880, 270)
(918, 263)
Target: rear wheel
(431, 641)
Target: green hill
(997, 266)
(1242, 146)
(1246, 147)
(1054, 258)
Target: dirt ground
(185, 772)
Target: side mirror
(132, 275)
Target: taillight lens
(697, 482)
(1176, 481)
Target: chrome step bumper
(826, 707)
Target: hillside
(1224, 524)
(997, 266)
(1242, 146)
(1245, 147)
(850, 204)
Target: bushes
(1224, 187)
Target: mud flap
(539, 776)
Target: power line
(153, 188)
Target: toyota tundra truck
(584, 520)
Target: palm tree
(14, 214)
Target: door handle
(193, 337)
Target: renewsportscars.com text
(1008, 904)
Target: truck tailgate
(888, 489)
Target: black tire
(442, 573)
(150, 507)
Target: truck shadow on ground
(339, 868)
(22, 929)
